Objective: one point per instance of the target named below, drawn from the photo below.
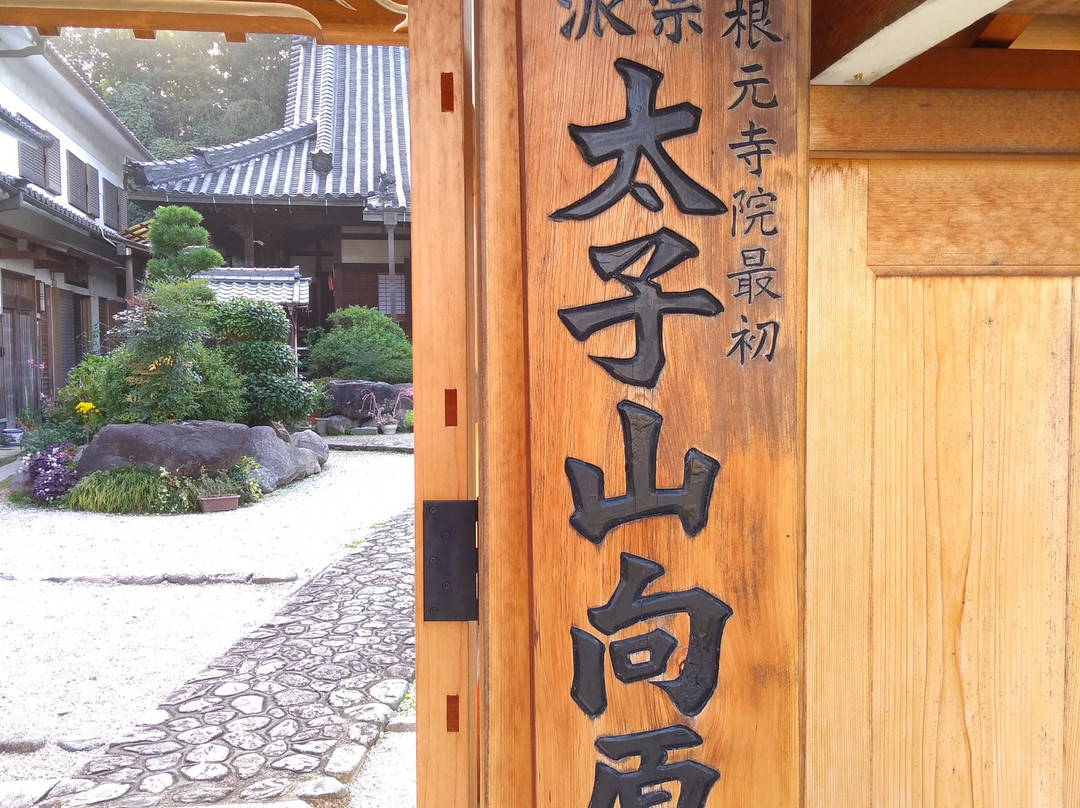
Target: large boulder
(350, 398)
(186, 449)
(313, 441)
(279, 462)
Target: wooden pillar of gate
(439, 105)
(661, 493)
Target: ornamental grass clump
(52, 472)
(129, 490)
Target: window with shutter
(110, 205)
(32, 163)
(122, 207)
(76, 181)
(93, 193)
(52, 167)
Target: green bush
(242, 319)
(363, 344)
(131, 490)
(254, 355)
(278, 397)
(407, 421)
(219, 394)
(128, 490)
(62, 430)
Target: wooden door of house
(19, 378)
(943, 483)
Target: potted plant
(215, 494)
(387, 423)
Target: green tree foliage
(363, 343)
(185, 89)
(163, 372)
(179, 245)
(255, 332)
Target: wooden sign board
(661, 262)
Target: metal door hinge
(451, 560)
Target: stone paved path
(289, 711)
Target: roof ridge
(203, 158)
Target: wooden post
(642, 251)
(446, 652)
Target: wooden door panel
(939, 465)
(970, 495)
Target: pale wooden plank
(985, 212)
(446, 652)
(970, 500)
(1072, 658)
(1043, 7)
(506, 738)
(839, 480)
(1050, 32)
(965, 271)
(749, 554)
(901, 119)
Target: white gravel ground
(86, 660)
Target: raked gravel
(86, 660)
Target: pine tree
(179, 245)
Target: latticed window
(384, 294)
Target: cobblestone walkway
(289, 711)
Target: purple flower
(52, 472)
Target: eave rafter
(859, 41)
(328, 21)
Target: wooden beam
(858, 42)
(140, 33)
(16, 254)
(849, 120)
(328, 22)
(237, 37)
(1071, 7)
(48, 30)
(507, 759)
(989, 68)
(446, 673)
(1003, 30)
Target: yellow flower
(85, 408)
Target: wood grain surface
(446, 672)
(744, 416)
(957, 538)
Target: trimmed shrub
(363, 344)
(242, 319)
(271, 357)
(278, 397)
(219, 394)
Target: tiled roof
(345, 138)
(284, 286)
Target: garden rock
(349, 398)
(22, 481)
(338, 425)
(187, 449)
(313, 441)
(280, 463)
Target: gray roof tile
(347, 111)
